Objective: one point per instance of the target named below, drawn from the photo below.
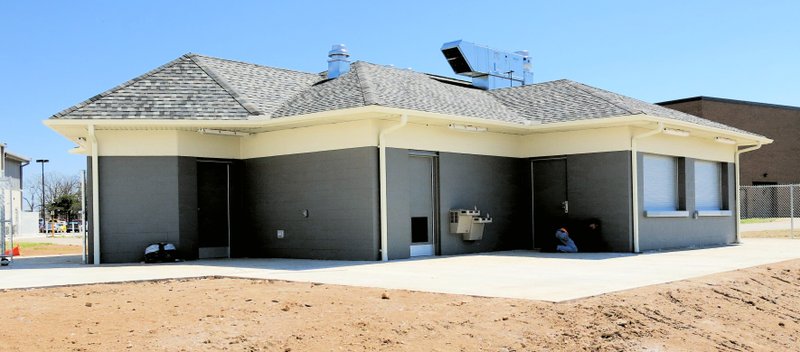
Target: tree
(66, 206)
(61, 194)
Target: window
(664, 186)
(708, 185)
(660, 183)
(712, 186)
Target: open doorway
(213, 209)
(423, 202)
(550, 203)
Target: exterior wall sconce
(724, 140)
(466, 128)
(222, 132)
(676, 132)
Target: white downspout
(738, 201)
(635, 181)
(95, 197)
(384, 202)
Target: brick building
(776, 163)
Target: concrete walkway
(513, 274)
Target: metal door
(550, 203)
(213, 209)
(422, 203)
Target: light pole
(44, 222)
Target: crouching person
(567, 245)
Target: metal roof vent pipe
(338, 62)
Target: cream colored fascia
(380, 112)
(344, 114)
(613, 121)
(72, 129)
(710, 132)
(436, 119)
(644, 120)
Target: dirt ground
(755, 309)
(29, 249)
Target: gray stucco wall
(13, 169)
(153, 199)
(598, 186)
(139, 204)
(497, 185)
(682, 232)
(397, 195)
(338, 188)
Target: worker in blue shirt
(567, 245)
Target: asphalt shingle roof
(344, 92)
(200, 87)
(261, 89)
(565, 100)
(407, 89)
(178, 90)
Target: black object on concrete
(161, 252)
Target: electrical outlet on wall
(280, 233)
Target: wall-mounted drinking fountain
(468, 223)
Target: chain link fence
(8, 216)
(769, 211)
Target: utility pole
(44, 214)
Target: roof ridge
(247, 105)
(121, 86)
(368, 95)
(591, 91)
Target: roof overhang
(76, 130)
(17, 157)
(646, 121)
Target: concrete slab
(513, 274)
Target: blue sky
(56, 54)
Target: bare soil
(756, 309)
(29, 249)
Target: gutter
(738, 202)
(383, 186)
(635, 181)
(95, 197)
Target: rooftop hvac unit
(489, 68)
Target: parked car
(74, 226)
(57, 226)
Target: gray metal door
(213, 209)
(550, 203)
(422, 202)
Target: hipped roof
(197, 87)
